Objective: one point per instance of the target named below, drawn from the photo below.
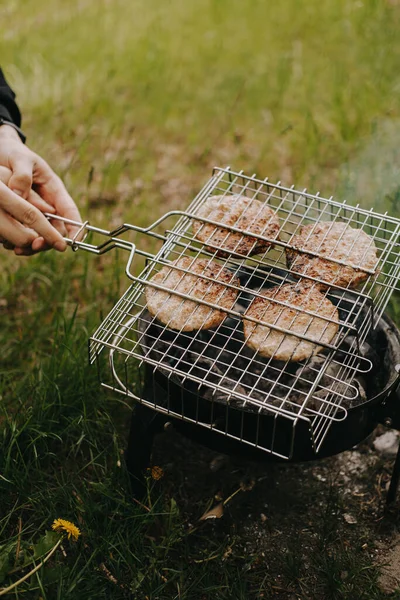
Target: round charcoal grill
(249, 430)
(209, 382)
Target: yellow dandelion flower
(63, 526)
(156, 473)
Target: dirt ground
(335, 506)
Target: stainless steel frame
(131, 344)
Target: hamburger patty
(243, 213)
(188, 315)
(332, 240)
(283, 346)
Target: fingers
(21, 165)
(14, 233)
(33, 197)
(44, 207)
(24, 251)
(11, 229)
(28, 173)
(41, 204)
(28, 215)
(39, 244)
(5, 174)
(52, 190)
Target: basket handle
(77, 242)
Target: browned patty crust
(188, 315)
(283, 346)
(332, 240)
(243, 213)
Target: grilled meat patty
(188, 315)
(292, 317)
(243, 213)
(332, 240)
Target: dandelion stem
(25, 577)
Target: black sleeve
(8, 107)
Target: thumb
(20, 181)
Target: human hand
(14, 235)
(32, 188)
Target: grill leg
(394, 482)
(145, 424)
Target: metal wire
(218, 361)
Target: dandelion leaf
(45, 544)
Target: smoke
(372, 177)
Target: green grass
(133, 103)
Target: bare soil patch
(310, 530)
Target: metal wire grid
(154, 350)
(258, 384)
(295, 209)
(275, 435)
(193, 357)
(298, 208)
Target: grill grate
(217, 363)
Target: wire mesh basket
(216, 364)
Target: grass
(133, 103)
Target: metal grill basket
(216, 365)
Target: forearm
(8, 107)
